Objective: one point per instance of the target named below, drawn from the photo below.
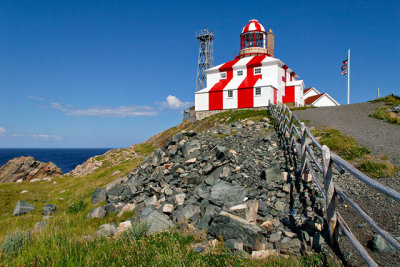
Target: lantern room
(254, 40)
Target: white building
(253, 79)
(312, 97)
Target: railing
(295, 140)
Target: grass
(346, 147)
(62, 242)
(383, 113)
(378, 167)
(63, 248)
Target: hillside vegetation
(66, 240)
(386, 113)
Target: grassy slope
(382, 113)
(62, 242)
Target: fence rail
(297, 140)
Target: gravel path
(379, 136)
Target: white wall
(201, 101)
(324, 101)
(230, 102)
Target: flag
(344, 67)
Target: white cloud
(120, 112)
(36, 98)
(2, 130)
(174, 103)
(38, 136)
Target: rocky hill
(232, 181)
(27, 169)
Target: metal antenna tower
(206, 56)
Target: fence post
(303, 148)
(330, 196)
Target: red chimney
(270, 42)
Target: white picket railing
(295, 140)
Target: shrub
(76, 207)
(15, 241)
(138, 230)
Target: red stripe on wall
(246, 88)
(215, 96)
(275, 96)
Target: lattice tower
(206, 56)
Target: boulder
(122, 227)
(49, 209)
(190, 147)
(126, 208)
(380, 245)
(227, 193)
(99, 195)
(157, 221)
(229, 226)
(97, 213)
(22, 208)
(26, 169)
(106, 230)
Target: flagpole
(348, 78)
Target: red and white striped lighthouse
(253, 79)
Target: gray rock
(280, 206)
(234, 244)
(106, 230)
(220, 151)
(99, 195)
(272, 175)
(227, 193)
(97, 213)
(275, 237)
(380, 245)
(156, 220)
(228, 226)
(190, 147)
(185, 213)
(198, 249)
(116, 190)
(49, 209)
(22, 208)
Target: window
(239, 73)
(230, 93)
(258, 91)
(257, 71)
(223, 75)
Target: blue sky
(99, 73)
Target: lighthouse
(253, 79)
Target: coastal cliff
(26, 169)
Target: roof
(312, 99)
(253, 25)
(306, 90)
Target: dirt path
(379, 136)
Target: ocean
(65, 158)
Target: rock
(186, 213)
(151, 201)
(26, 169)
(286, 188)
(280, 206)
(97, 213)
(122, 227)
(49, 209)
(190, 147)
(126, 208)
(273, 175)
(22, 208)
(157, 221)
(234, 244)
(396, 108)
(106, 230)
(198, 249)
(24, 191)
(289, 234)
(307, 177)
(191, 161)
(39, 226)
(168, 208)
(275, 237)
(99, 195)
(229, 226)
(262, 254)
(380, 245)
(220, 151)
(227, 193)
(251, 211)
(179, 199)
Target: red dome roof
(253, 25)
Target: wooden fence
(295, 141)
